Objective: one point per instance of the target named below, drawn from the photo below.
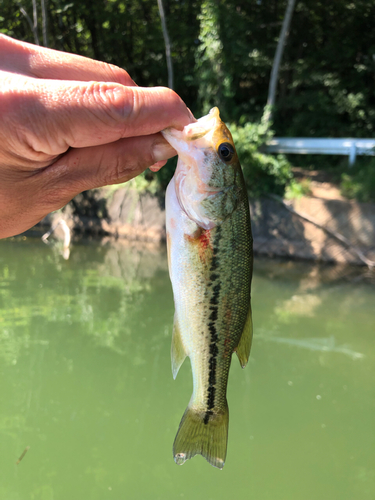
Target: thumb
(54, 115)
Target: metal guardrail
(305, 145)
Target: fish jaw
(180, 139)
(192, 143)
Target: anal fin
(244, 345)
(178, 353)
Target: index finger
(40, 62)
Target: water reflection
(85, 381)
(326, 344)
(104, 289)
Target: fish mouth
(202, 126)
(179, 139)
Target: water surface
(85, 382)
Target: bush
(360, 183)
(263, 173)
(297, 189)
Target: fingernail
(192, 117)
(157, 166)
(162, 151)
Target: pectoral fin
(178, 353)
(244, 345)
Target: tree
(276, 63)
(214, 86)
(32, 23)
(167, 44)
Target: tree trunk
(276, 62)
(167, 44)
(33, 25)
(44, 22)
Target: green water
(85, 382)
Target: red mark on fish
(204, 239)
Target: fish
(210, 260)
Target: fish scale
(210, 264)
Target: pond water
(86, 383)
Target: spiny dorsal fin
(178, 353)
(244, 345)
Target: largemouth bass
(210, 264)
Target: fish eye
(225, 151)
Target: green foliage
(263, 173)
(214, 86)
(327, 70)
(360, 183)
(296, 189)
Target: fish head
(208, 176)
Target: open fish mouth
(203, 126)
(197, 130)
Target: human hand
(69, 124)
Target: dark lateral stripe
(212, 330)
(214, 263)
(215, 294)
(207, 416)
(213, 315)
(214, 351)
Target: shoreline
(129, 214)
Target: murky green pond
(85, 382)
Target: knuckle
(122, 170)
(110, 103)
(117, 74)
(170, 96)
(119, 172)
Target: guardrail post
(352, 154)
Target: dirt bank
(125, 213)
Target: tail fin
(203, 433)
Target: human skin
(68, 124)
